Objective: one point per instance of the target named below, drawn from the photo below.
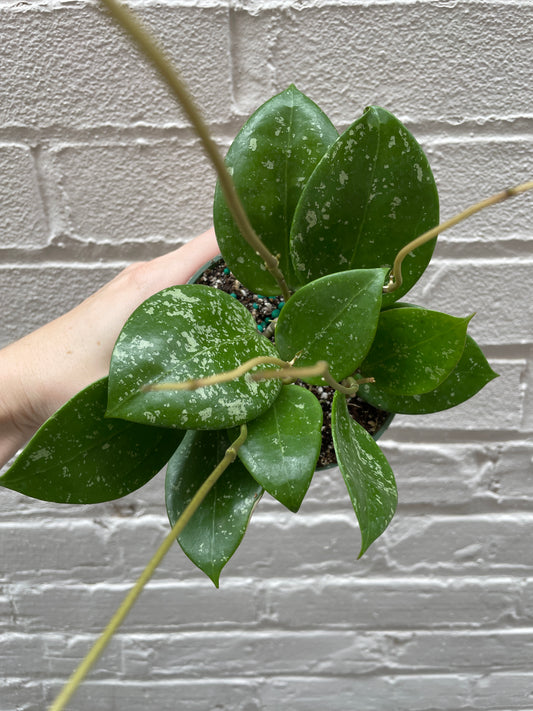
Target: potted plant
(347, 226)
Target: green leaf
(78, 457)
(333, 319)
(218, 526)
(270, 160)
(414, 350)
(471, 373)
(182, 333)
(370, 195)
(283, 445)
(367, 474)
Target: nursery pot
(385, 419)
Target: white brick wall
(99, 168)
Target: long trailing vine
(151, 50)
(118, 618)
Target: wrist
(17, 421)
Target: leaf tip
(215, 579)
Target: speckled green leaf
(182, 333)
(333, 319)
(216, 529)
(471, 373)
(370, 195)
(283, 444)
(366, 472)
(270, 160)
(78, 457)
(414, 350)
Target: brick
(254, 37)
(508, 474)
(22, 695)
(479, 413)
(423, 62)
(526, 608)
(164, 607)
(502, 690)
(193, 695)
(34, 295)
(314, 653)
(471, 544)
(498, 650)
(70, 66)
(469, 168)
(22, 213)
(309, 603)
(157, 190)
(421, 693)
(402, 604)
(498, 292)
(31, 656)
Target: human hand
(43, 370)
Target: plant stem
(287, 372)
(396, 276)
(149, 47)
(319, 369)
(226, 377)
(128, 602)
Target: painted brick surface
(23, 219)
(42, 293)
(99, 168)
(134, 193)
(68, 66)
(428, 60)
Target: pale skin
(43, 370)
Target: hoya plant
(191, 366)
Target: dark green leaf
(217, 527)
(78, 457)
(370, 195)
(270, 160)
(283, 445)
(366, 472)
(183, 333)
(333, 319)
(414, 350)
(471, 373)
